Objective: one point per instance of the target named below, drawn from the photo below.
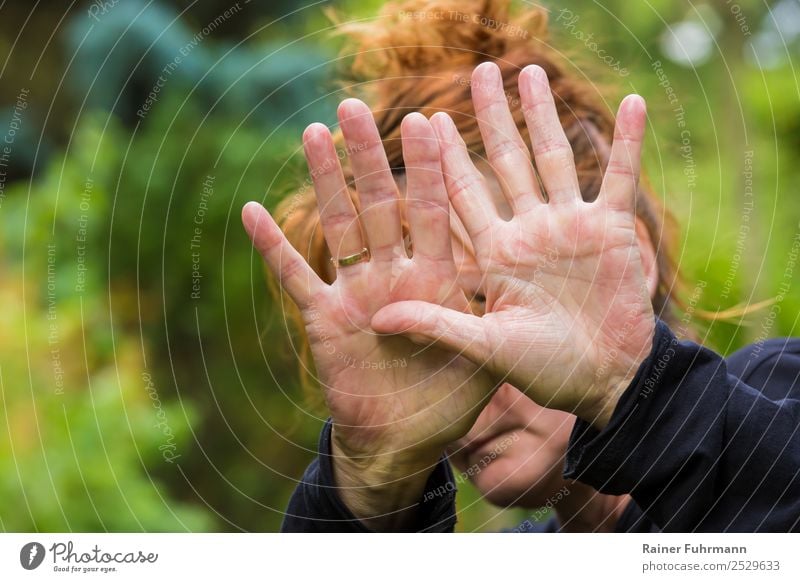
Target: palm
(387, 388)
(563, 282)
(568, 318)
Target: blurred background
(147, 381)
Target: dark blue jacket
(700, 442)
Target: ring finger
(338, 216)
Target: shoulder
(772, 366)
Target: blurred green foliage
(105, 368)
(84, 439)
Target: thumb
(427, 323)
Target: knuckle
(290, 268)
(508, 148)
(465, 184)
(627, 137)
(435, 205)
(552, 146)
(620, 168)
(377, 194)
(338, 219)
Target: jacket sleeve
(697, 447)
(315, 505)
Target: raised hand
(395, 405)
(568, 316)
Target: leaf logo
(31, 555)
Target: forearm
(382, 490)
(697, 448)
(318, 504)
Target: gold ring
(359, 257)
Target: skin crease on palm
(385, 447)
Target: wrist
(598, 411)
(383, 488)
(608, 390)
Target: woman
(535, 304)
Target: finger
(337, 214)
(426, 323)
(427, 206)
(377, 190)
(292, 271)
(466, 187)
(507, 153)
(551, 149)
(621, 179)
